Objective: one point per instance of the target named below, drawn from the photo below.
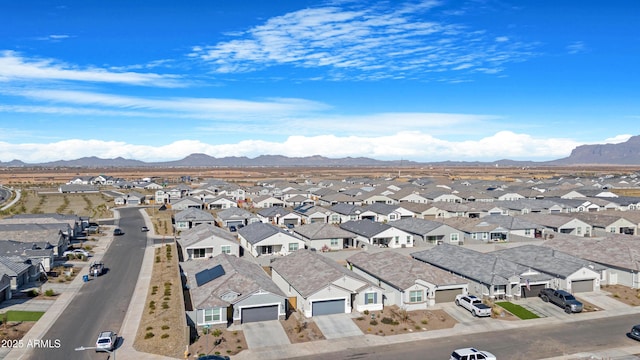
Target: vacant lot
(625, 294)
(95, 205)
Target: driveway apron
(264, 333)
(337, 326)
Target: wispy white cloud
(207, 108)
(576, 47)
(409, 145)
(14, 67)
(366, 43)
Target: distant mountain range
(627, 153)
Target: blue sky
(415, 80)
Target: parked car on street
(214, 357)
(76, 252)
(471, 354)
(106, 341)
(144, 229)
(118, 232)
(635, 332)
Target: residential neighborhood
(281, 251)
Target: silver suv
(106, 341)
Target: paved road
(102, 303)
(537, 342)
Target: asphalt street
(101, 304)
(537, 342)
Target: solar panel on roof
(207, 275)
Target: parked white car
(473, 304)
(471, 354)
(76, 252)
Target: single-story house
(569, 272)
(325, 237)
(619, 253)
(487, 275)
(378, 234)
(408, 283)
(279, 216)
(205, 241)
(235, 216)
(229, 290)
(191, 217)
(265, 239)
(428, 231)
(317, 285)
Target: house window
(612, 229)
(225, 249)
(579, 230)
(485, 236)
(408, 239)
(334, 242)
(392, 217)
(397, 240)
(453, 237)
(369, 298)
(335, 218)
(415, 296)
(293, 246)
(212, 315)
(528, 231)
(198, 253)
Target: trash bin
(85, 278)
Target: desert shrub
(149, 328)
(217, 332)
(164, 336)
(148, 335)
(49, 292)
(373, 322)
(165, 327)
(424, 321)
(389, 321)
(366, 312)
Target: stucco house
(487, 275)
(259, 239)
(205, 241)
(235, 216)
(229, 290)
(191, 217)
(371, 233)
(569, 272)
(317, 285)
(428, 231)
(324, 237)
(279, 216)
(408, 283)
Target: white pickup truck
(473, 304)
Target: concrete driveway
(337, 326)
(264, 333)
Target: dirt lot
(393, 320)
(625, 294)
(224, 342)
(300, 330)
(95, 205)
